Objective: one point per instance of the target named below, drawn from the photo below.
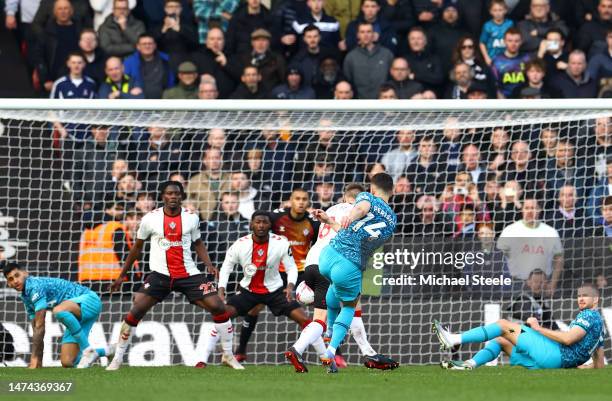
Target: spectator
(471, 163)
(372, 169)
(596, 146)
(208, 90)
(277, 164)
(445, 35)
(75, 85)
(329, 27)
(576, 82)
(530, 244)
(397, 160)
(271, 65)
(213, 13)
(510, 206)
(344, 12)
(312, 53)
(126, 191)
(293, 88)
(477, 91)
(423, 173)
(465, 52)
(104, 8)
(400, 14)
(565, 216)
(176, 36)
(450, 145)
(94, 56)
(552, 50)
(150, 66)
(600, 65)
(521, 168)
(210, 59)
(323, 195)
(117, 84)
(532, 302)
(250, 199)
(251, 87)
(254, 164)
(387, 92)
(591, 37)
(327, 78)
(81, 16)
(427, 11)
(427, 219)
(224, 227)
(601, 190)
(367, 66)
(59, 38)
(535, 25)
(117, 169)
(493, 32)
(205, 187)
(145, 202)
(585, 10)
(154, 153)
(343, 91)
(603, 222)
(547, 147)
(402, 79)
(426, 66)
(153, 13)
(508, 67)
(498, 149)
(26, 10)
(461, 80)
(187, 87)
(383, 33)
(535, 71)
(120, 31)
(247, 19)
(565, 169)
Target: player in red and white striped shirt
(260, 255)
(172, 231)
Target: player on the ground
(260, 255)
(368, 225)
(75, 306)
(173, 230)
(300, 228)
(319, 284)
(533, 346)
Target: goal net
(522, 187)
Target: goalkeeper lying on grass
(533, 346)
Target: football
(304, 294)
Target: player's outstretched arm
(133, 256)
(202, 253)
(38, 336)
(570, 337)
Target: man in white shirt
(530, 244)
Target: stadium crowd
(316, 49)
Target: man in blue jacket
(149, 66)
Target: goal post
(463, 171)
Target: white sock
(124, 340)
(309, 335)
(359, 334)
(455, 339)
(211, 344)
(226, 335)
(319, 347)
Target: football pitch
(281, 383)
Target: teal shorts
(345, 276)
(535, 351)
(91, 306)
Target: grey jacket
(116, 42)
(367, 70)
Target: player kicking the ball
(311, 334)
(533, 346)
(260, 255)
(367, 226)
(73, 305)
(173, 230)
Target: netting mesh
(461, 178)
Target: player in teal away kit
(369, 224)
(75, 306)
(533, 346)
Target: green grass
(356, 383)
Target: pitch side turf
(280, 383)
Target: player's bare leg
(141, 305)
(68, 354)
(223, 330)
